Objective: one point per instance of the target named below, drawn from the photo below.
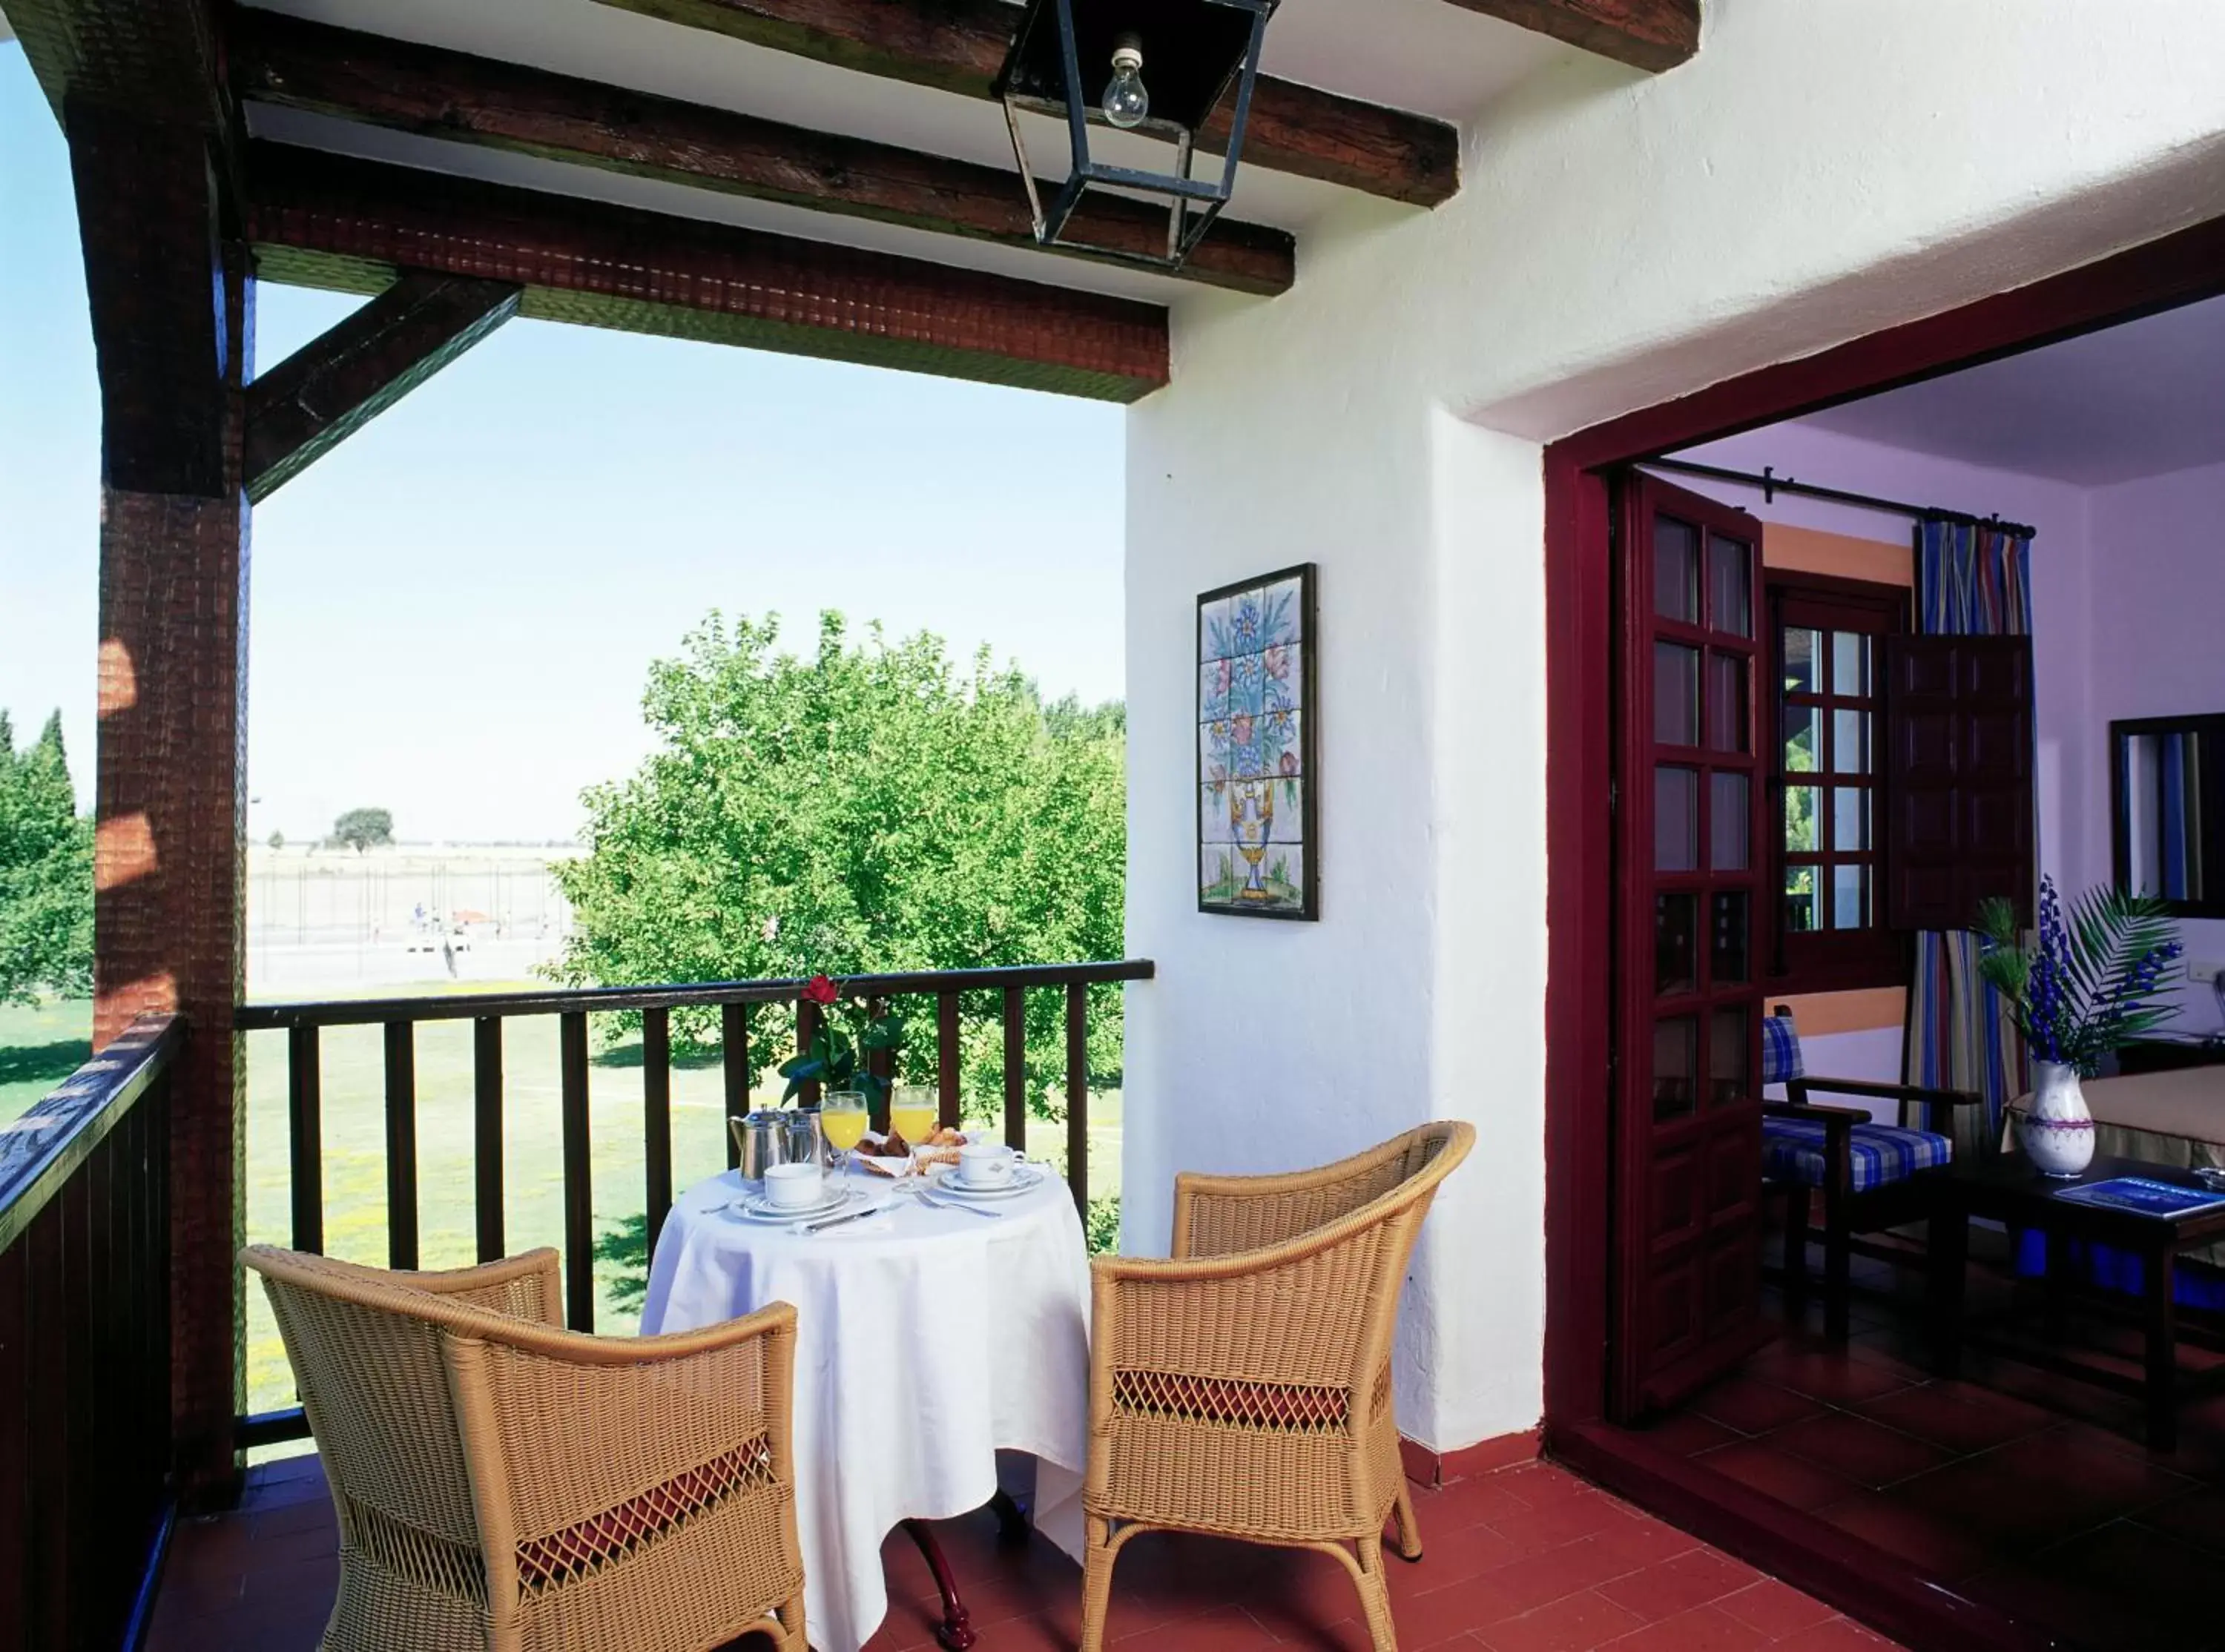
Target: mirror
(2167, 789)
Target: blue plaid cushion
(1792, 1150)
(1780, 1050)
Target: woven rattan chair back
(502, 1483)
(1243, 1386)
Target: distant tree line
(46, 872)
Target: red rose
(819, 989)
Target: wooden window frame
(1832, 960)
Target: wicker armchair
(507, 1485)
(1243, 1386)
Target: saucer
(755, 1207)
(944, 1179)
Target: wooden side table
(2009, 1190)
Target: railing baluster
(882, 1064)
(945, 1059)
(807, 1028)
(486, 1133)
(1015, 1068)
(18, 1526)
(1077, 1095)
(306, 1117)
(656, 1118)
(579, 1197)
(401, 1144)
(734, 1057)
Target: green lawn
(38, 1048)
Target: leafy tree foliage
(46, 872)
(864, 809)
(362, 829)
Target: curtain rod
(1770, 484)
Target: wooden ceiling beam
(959, 45)
(360, 366)
(437, 93)
(324, 220)
(1651, 34)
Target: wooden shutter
(1960, 732)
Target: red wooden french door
(1691, 916)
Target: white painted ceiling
(1424, 55)
(2136, 400)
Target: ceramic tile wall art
(1256, 801)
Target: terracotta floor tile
(1776, 1609)
(2197, 1518)
(1832, 1635)
(1867, 1453)
(1752, 1407)
(1958, 1419)
(1790, 1480)
(264, 1579)
(1681, 1585)
(1704, 1629)
(1832, 1376)
(1688, 1433)
(1574, 1624)
(1938, 1548)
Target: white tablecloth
(926, 1341)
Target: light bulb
(1126, 103)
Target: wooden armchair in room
(1864, 1170)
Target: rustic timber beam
(439, 93)
(323, 220)
(1653, 35)
(346, 376)
(959, 45)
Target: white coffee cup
(793, 1187)
(984, 1164)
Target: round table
(926, 1341)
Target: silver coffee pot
(774, 1136)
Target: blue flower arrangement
(2085, 989)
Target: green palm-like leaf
(2111, 934)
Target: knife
(926, 1198)
(837, 1221)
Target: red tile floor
(2025, 1489)
(1527, 1559)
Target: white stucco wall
(1822, 169)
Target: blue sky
(452, 612)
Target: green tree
(277, 841)
(362, 829)
(46, 872)
(868, 808)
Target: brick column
(172, 309)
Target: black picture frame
(1256, 798)
(2208, 728)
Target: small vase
(2058, 1132)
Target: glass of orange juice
(912, 1111)
(842, 1119)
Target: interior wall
(1620, 239)
(2153, 647)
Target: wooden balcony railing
(85, 1348)
(738, 1005)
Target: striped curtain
(1971, 580)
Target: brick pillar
(172, 309)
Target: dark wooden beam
(1653, 35)
(324, 220)
(171, 309)
(959, 45)
(155, 58)
(437, 93)
(340, 381)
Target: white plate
(944, 1179)
(755, 1207)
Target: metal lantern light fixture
(1156, 66)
